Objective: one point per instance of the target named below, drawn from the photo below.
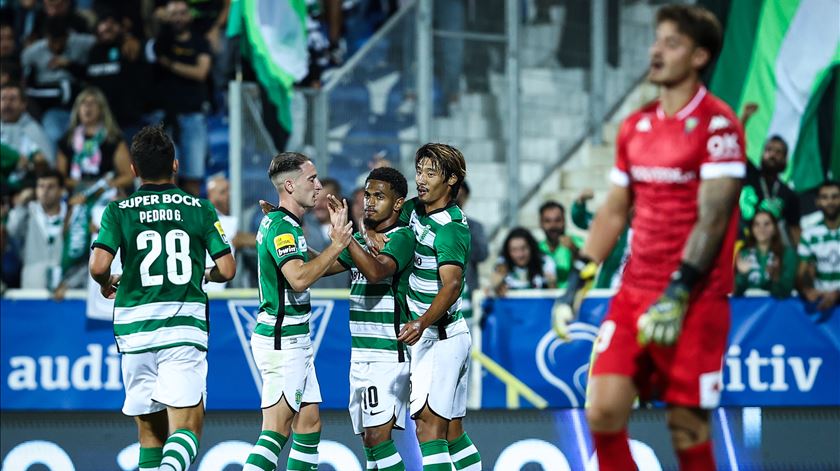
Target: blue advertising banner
(53, 357)
(779, 354)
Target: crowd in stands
(781, 251)
(78, 78)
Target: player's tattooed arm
(716, 200)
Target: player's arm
(375, 268)
(224, 269)
(300, 274)
(716, 200)
(450, 290)
(104, 249)
(333, 269)
(609, 223)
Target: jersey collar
(687, 109)
(288, 213)
(157, 187)
(450, 204)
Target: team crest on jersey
(284, 244)
(221, 231)
(425, 232)
(690, 124)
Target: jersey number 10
(178, 262)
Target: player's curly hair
(446, 158)
(392, 177)
(152, 153)
(698, 23)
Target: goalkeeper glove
(581, 274)
(662, 322)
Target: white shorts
(439, 375)
(378, 393)
(289, 373)
(174, 377)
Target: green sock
(150, 458)
(304, 454)
(266, 452)
(369, 459)
(387, 457)
(179, 451)
(464, 454)
(435, 455)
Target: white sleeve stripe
(709, 171)
(619, 178)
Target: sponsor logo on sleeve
(221, 232)
(723, 146)
(284, 244)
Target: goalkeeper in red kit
(679, 163)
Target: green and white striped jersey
(821, 245)
(441, 237)
(280, 239)
(163, 235)
(378, 310)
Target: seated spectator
(8, 42)
(522, 265)
(25, 146)
(763, 189)
(819, 251)
(38, 227)
(316, 226)
(557, 245)
(123, 78)
(183, 63)
(764, 262)
(51, 67)
(93, 145)
(62, 9)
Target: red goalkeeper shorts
(687, 373)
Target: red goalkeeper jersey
(663, 160)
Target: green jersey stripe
(285, 331)
(152, 325)
(383, 317)
(373, 343)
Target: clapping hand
(341, 231)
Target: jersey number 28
(178, 263)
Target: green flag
(274, 42)
(781, 55)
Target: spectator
(9, 253)
(764, 262)
(218, 192)
(62, 9)
(316, 225)
(8, 42)
(38, 227)
(93, 145)
(557, 245)
(184, 62)
(609, 275)
(478, 240)
(819, 251)
(51, 66)
(25, 145)
(123, 78)
(764, 189)
(522, 265)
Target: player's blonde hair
(445, 158)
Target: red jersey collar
(687, 109)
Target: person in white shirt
(218, 192)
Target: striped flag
(274, 41)
(784, 55)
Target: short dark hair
(56, 27)
(286, 162)
(51, 173)
(16, 85)
(152, 153)
(698, 23)
(327, 181)
(392, 177)
(779, 139)
(448, 159)
(828, 184)
(551, 204)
